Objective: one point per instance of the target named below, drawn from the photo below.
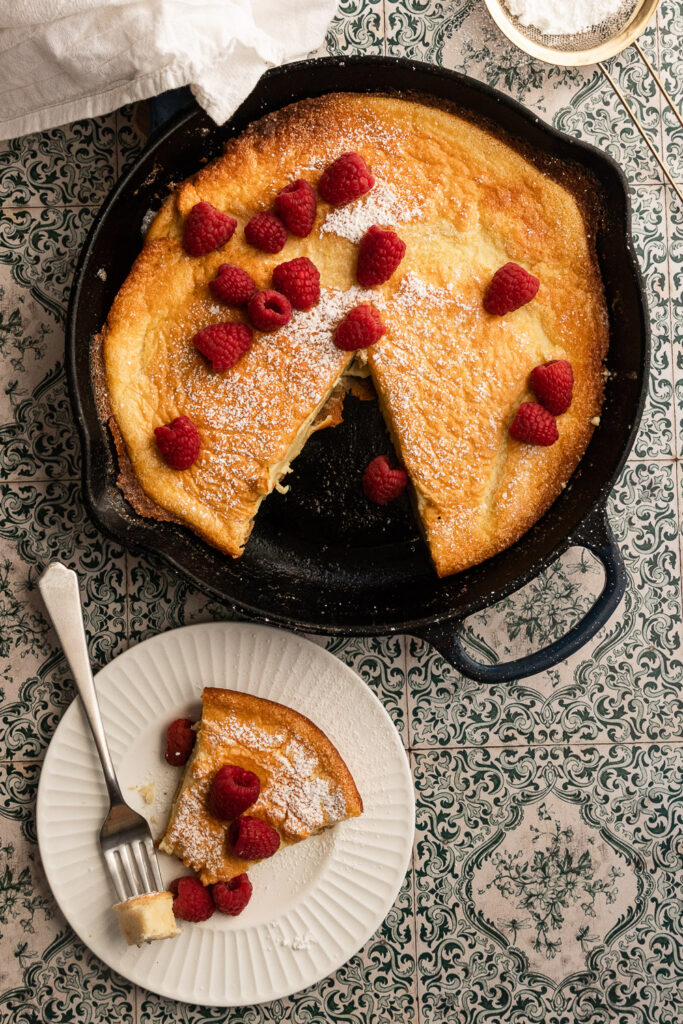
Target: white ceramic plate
(314, 904)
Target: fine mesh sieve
(599, 44)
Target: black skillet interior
(322, 557)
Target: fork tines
(133, 867)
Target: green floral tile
(37, 433)
(670, 20)
(549, 885)
(47, 973)
(463, 36)
(130, 139)
(675, 233)
(376, 986)
(358, 27)
(656, 435)
(160, 599)
(421, 28)
(71, 165)
(40, 523)
(380, 661)
(39, 249)
(38, 253)
(624, 685)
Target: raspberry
(379, 254)
(553, 384)
(180, 737)
(346, 179)
(178, 442)
(296, 206)
(359, 328)
(252, 839)
(232, 897)
(206, 229)
(223, 344)
(383, 482)
(534, 425)
(266, 232)
(299, 280)
(511, 287)
(269, 310)
(233, 790)
(192, 901)
(232, 285)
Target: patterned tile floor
(547, 879)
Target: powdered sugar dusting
(382, 206)
(232, 729)
(414, 290)
(304, 800)
(298, 795)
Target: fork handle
(59, 589)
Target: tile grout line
(678, 477)
(94, 205)
(575, 744)
(666, 196)
(413, 882)
(406, 694)
(421, 749)
(127, 591)
(26, 481)
(660, 98)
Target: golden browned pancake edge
(305, 784)
(450, 376)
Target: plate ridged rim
(350, 896)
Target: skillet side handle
(597, 536)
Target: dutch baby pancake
(451, 366)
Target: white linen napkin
(65, 59)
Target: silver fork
(125, 837)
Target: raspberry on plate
(180, 737)
(252, 839)
(178, 442)
(232, 791)
(299, 280)
(360, 328)
(269, 310)
(534, 425)
(192, 901)
(232, 285)
(206, 229)
(379, 254)
(553, 385)
(232, 897)
(383, 482)
(223, 344)
(511, 287)
(296, 205)
(348, 178)
(265, 231)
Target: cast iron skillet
(321, 558)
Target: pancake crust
(305, 784)
(449, 376)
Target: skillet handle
(597, 536)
